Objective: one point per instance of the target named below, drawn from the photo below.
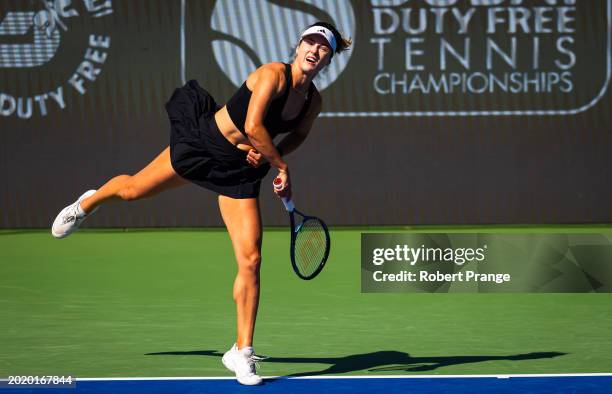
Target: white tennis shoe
(243, 362)
(70, 218)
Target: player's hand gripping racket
(310, 241)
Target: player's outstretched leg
(243, 222)
(156, 177)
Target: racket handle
(289, 206)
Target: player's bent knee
(250, 263)
(130, 193)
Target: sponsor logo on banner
(251, 33)
(30, 44)
(489, 57)
(431, 57)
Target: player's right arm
(267, 86)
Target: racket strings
(310, 246)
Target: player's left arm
(292, 141)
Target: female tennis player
(229, 149)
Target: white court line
(502, 376)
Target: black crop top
(238, 105)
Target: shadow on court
(377, 361)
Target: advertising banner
(441, 112)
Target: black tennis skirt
(200, 153)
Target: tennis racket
(310, 241)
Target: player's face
(313, 53)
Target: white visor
(322, 31)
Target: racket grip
(289, 206)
